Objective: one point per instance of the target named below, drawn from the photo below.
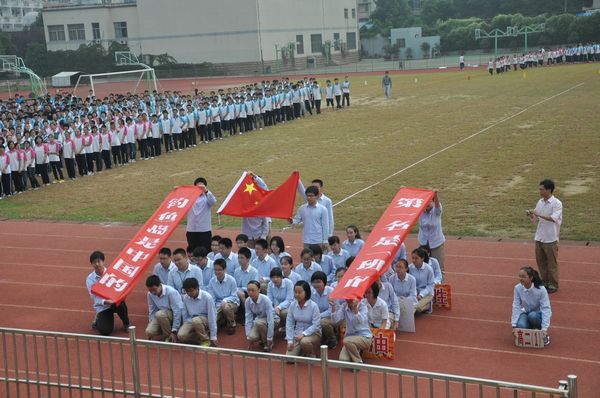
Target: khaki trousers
(328, 330)
(546, 256)
(226, 313)
(306, 346)
(195, 332)
(353, 345)
(438, 253)
(259, 331)
(424, 304)
(160, 327)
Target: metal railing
(53, 364)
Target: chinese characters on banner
(442, 296)
(383, 243)
(129, 266)
(382, 346)
(529, 338)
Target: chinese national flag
(247, 199)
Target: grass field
(485, 182)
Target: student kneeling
(199, 316)
(358, 333)
(260, 323)
(531, 304)
(164, 309)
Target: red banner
(129, 266)
(383, 243)
(248, 199)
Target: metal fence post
(572, 380)
(135, 367)
(325, 369)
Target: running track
(43, 266)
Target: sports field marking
(510, 297)
(509, 277)
(463, 318)
(94, 237)
(519, 259)
(458, 143)
(524, 353)
(35, 307)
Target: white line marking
(35, 307)
(94, 237)
(524, 353)
(530, 259)
(510, 298)
(458, 143)
(509, 277)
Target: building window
(120, 30)
(336, 41)
(351, 40)
(56, 32)
(345, 13)
(363, 8)
(354, 13)
(299, 44)
(76, 32)
(96, 30)
(316, 43)
(401, 43)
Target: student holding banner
(199, 224)
(358, 336)
(377, 308)
(303, 323)
(531, 304)
(430, 229)
(424, 280)
(164, 310)
(105, 309)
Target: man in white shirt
(548, 216)
(199, 224)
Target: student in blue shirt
(531, 304)
(244, 274)
(320, 295)
(277, 249)
(424, 280)
(303, 323)
(164, 310)
(358, 336)
(354, 242)
(260, 324)
(223, 289)
(199, 316)
(280, 291)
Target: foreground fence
(50, 364)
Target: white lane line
(458, 143)
(530, 259)
(37, 307)
(508, 277)
(511, 297)
(527, 354)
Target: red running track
(43, 266)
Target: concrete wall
(413, 39)
(373, 46)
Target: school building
(239, 36)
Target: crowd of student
(573, 54)
(38, 137)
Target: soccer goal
(121, 82)
(16, 77)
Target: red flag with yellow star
(248, 199)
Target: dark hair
(152, 280)
(244, 251)
(96, 255)
(341, 268)
(305, 286)
(306, 251)
(189, 250)
(215, 238)
(242, 237)
(276, 272)
(279, 242)
(190, 283)
(180, 250)
(534, 275)
(312, 190)
(420, 252)
(319, 275)
(349, 261)
(226, 242)
(316, 249)
(375, 289)
(288, 259)
(221, 263)
(548, 184)
(262, 243)
(427, 252)
(332, 240)
(202, 180)
(255, 283)
(404, 262)
(165, 250)
(200, 252)
(355, 229)
(317, 181)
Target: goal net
(123, 82)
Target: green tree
(425, 47)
